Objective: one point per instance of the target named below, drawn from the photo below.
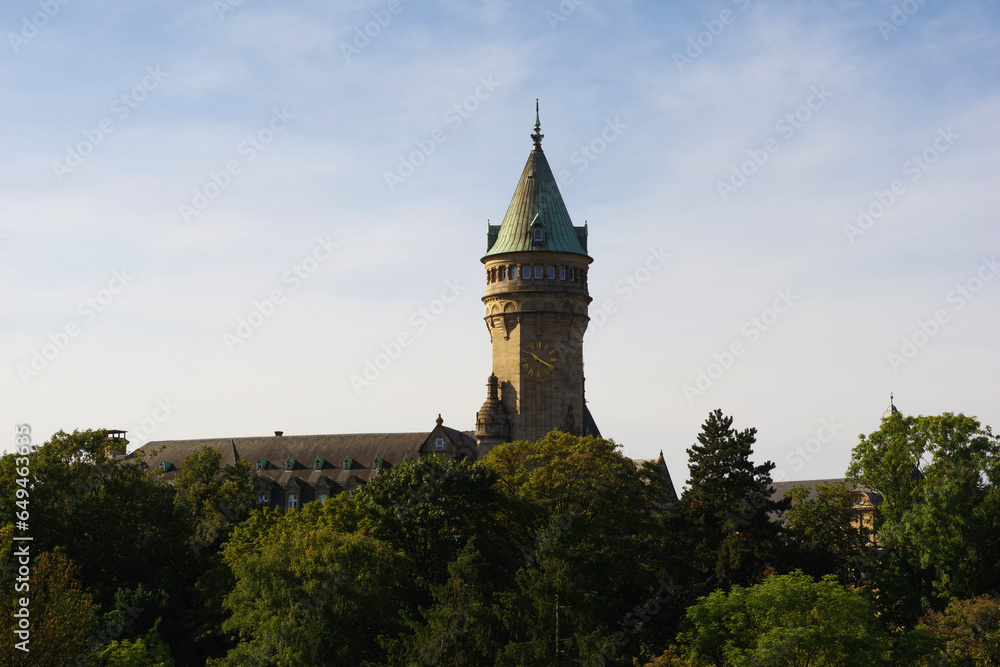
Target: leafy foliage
(787, 620)
(940, 518)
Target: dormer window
(289, 463)
(319, 463)
(439, 444)
(538, 235)
(348, 463)
(377, 463)
(165, 466)
(261, 464)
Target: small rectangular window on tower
(538, 270)
(503, 273)
(562, 273)
(526, 271)
(550, 272)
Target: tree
(307, 592)
(214, 499)
(821, 534)
(724, 515)
(61, 614)
(966, 634)
(787, 620)
(583, 520)
(939, 525)
(430, 508)
(117, 524)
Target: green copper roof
(536, 204)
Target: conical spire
(537, 204)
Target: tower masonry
(536, 313)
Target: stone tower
(536, 313)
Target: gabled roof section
(537, 203)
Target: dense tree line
(556, 552)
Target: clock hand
(542, 362)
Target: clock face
(539, 360)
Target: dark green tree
(724, 516)
(583, 520)
(821, 534)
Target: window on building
(538, 270)
(166, 465)
(261, 464)
(289, 463)
(320, 497)
(438, 443)
(550, 272)
(513, 272)
(264, 498)
(562, 273)
(348, 463)
(319, 463)
(526, 271)
(503, 273)
(293, 501)
(537, 235)
(377, 463)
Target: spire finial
(537, 135)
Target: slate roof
(362, 448)
(536, 200)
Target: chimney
(278, 434)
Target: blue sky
(792, 211)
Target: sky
(221, 218)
